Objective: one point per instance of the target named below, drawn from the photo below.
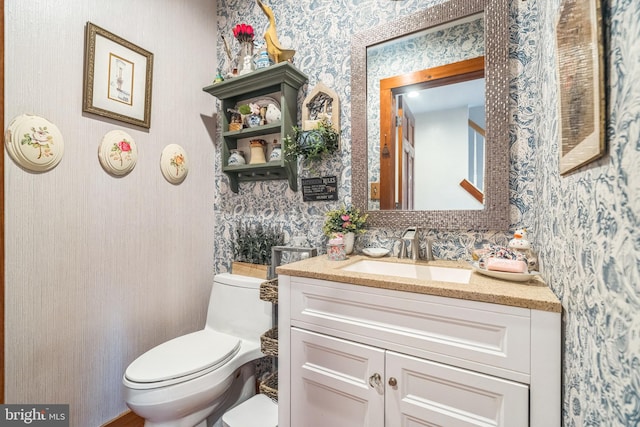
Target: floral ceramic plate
(375, 252)
(273, 113)
(263, 101)
(34, 143)
(515, 277)
(118, 153)
(174, 163)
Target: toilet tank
(235, 307)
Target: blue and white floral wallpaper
(585, 225)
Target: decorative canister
(257, 151)
(336, 250)
(262, 60)
(254, 120)
(236, 158)
(276, 152)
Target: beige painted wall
(100, 269)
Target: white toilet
(188, 379)
(259, 411)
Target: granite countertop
(534, 294)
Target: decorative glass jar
(336, 252)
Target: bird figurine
(276, 51)
(519, 240)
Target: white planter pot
(349, 239)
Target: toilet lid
(182, 356)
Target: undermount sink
(412, 271)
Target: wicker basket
(269, 386)
(269, 342)
(269, 291)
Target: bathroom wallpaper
(585, 225)
(321, 34)
(587, 222)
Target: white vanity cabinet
(353, 355)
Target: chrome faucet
(410, 245)
(410, 238)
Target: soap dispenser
(521, 244)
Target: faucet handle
(402, 251)
(429, 249)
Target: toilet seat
(181, 359)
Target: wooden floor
(128, 419)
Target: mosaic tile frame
(495, 216)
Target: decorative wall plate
(118, 153)
(34, 143)
(174, 164)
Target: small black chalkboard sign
(320, 189)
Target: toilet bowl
(188, 379)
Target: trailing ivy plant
(312, 144)
(254, 242)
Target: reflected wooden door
(406, 158)
(390, 88)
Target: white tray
(515, 277)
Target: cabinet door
(432, 394)
(335, 382)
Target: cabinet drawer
(484, 337)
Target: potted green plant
(312, 144)
(347, 221)
(244, 109)
(252, 248)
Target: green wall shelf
(281, 82)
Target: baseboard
(128, 419)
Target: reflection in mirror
(423, 59)
(442, 132)
(434, 137)
(431, 40)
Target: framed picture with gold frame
(581, 83)
(117, 78)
